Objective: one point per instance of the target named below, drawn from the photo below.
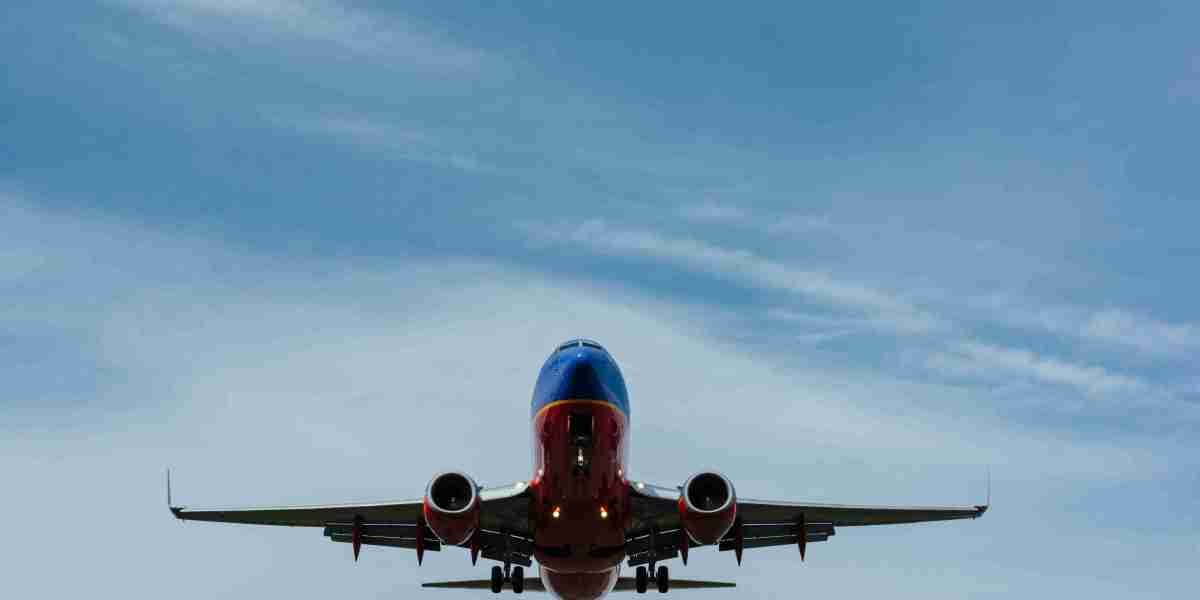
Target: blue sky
(314, 252)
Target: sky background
(303, 251)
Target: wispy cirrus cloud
(400, 142)
(727, 213)
(1114, 327)
(992, 361)
(889, 311)
(349, 29)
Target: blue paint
(580, 370)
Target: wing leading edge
(504, 523)
(762, 523)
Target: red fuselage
(580, 510)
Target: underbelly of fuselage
(579, 585)
(581, 503)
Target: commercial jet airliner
(580, 516)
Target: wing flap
(532, 584)
(845, 515)
(408, 543)
(388, 530)
(758, 530)
(767, 542)
(629, 584)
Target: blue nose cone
(581, 380)
(580, 372)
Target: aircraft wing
(533, 584)
(762, 523)
(503, 521)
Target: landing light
(603, 513)
(556, 512)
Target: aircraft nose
(582, 380)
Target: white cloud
(318, 21)
(728, 213)
(269, 380)
(744, 266)
(972, 358)
(1141, 332)
(1113, 327)
(404, 143)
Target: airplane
(580, 516)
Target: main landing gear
(516, 579)
(662, 579)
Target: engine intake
(451, 507)
(707, 507)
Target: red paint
(579, 586)
(580, 551)
(707, 527)
(452, 528)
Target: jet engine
(452, 507)
(707, 507)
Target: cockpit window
(580, 342)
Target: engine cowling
(451, 507)
(707, 507)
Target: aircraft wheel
(663, 579)
(518, 580)
(497, 580)
(641, 580)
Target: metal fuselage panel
(580, 508)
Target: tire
(518, 580)
(663, 579)
(641, 580)
(497, 580)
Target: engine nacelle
(452, 507)
(707, 507)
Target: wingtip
(175, 510)
(983, 508)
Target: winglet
(982, 508)
(989, 488)
(170, 504)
